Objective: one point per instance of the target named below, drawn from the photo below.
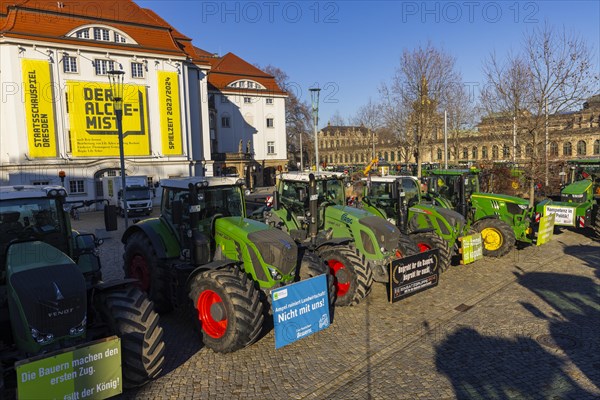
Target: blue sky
(349, 48)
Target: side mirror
(177, 211)
(110, 217)
(302, 194)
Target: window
(465, 152)
(484, 152)
(270, 123)
(474, 153)
(528, 151)
(247, 100)
(77, 186)
(83, 34)
(494, 152)
(439, 154)
(581, 148)
(270, 147)
(567, 149)
(597, 147)
(518, 151)
(269, 101)
(553, 149)
(101, 34)
(137, 70)
(103, 66)
(120, 38)
(250, 85)
(505, 152)
(40, 183)
(225, 123)
(69, 64)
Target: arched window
(392, 156)
(484, 152)
(505, 152)
(581, 148)
(474, 154)
(553, 149)
(567, 149)
(465, 152)
(494, 152)
(439, 154)
(528, 150)
(362, 158)
(597, 147)
(518, 151)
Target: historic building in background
(570, 135)
(57, 110)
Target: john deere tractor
(357, 245)
(52, 295)
(203, 251)
(501, 219)
(398, 199)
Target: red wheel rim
(213, 327)
(336, 266)
(423, 247)
(139, 270)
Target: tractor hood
(578, 187)
(501, 197)
(48, 290)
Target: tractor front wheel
(312, 265)
(497, 236)
(228, 309)
(596, 225)
(353, 276)
(431, 240)
(129, 314)
(142, 263)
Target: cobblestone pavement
(524, 326)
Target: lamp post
(314, 97)
(116, 85)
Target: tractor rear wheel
(596, 225)
(497, 236)
(407, 246)
(312, 265)
(129, 314)
(142, 263)
(431, 240)
(229, 310)
(353, 276)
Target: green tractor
(52, 296)
(203, 251)
(398, 199)
(357, 245)
(501, 219)
(579, 203)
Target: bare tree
(336, 119)
(418, 93)
(553, 73)
(370, 116)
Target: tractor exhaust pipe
(313, 208)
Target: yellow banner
(170, 113)
(39, 108)
(94, 124)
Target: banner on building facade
(94, 125)
(170, 112)
(39, 108)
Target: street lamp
(115, 79)
(314, 96)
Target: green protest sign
(88, 372)
(471, 248)
(546, 229)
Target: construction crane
(370, 166)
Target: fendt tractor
(357, 245)
(398, 199)
(501, 219)
(579, 205)
(203, 251)
(52, 295)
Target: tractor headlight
(53, 193)
(275, 274)
(62, 192)
(40, 337)
(79, 329)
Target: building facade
(57, 108)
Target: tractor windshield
(226, 201)
(331, 190)
(32, 218)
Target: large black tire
(353, 275)
(497, 236)
(129, 314)
(596, 225)
(229, 311)
(431, 240)
(312, 265)
(407, 246)
(142, 263)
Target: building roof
(51, 21)
(344, 129)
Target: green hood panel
(243, 224)
(500, 197)
(578, 187)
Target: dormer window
(245, 84)
(83, 34)
(119, 38)
(101, 34)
